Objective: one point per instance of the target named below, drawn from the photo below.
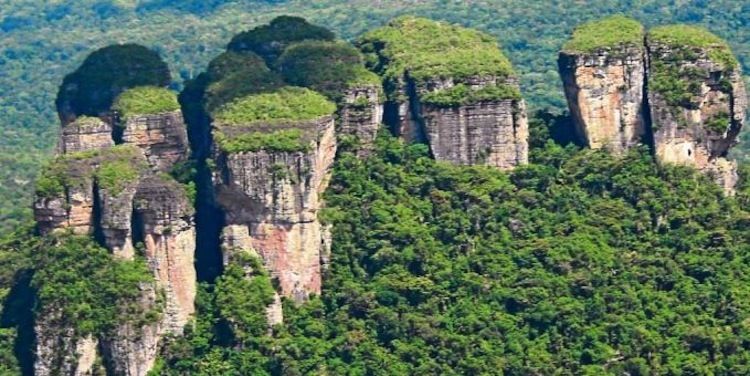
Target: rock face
(148, 208)
(271, 200)
(163, 138)
(360, 113)
(605, 92)
(679, 88)
(700, 129)
(86, 133)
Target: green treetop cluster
(431, 49)
(113, 169)
(106, 73)
(233, 75)
(610, 32)
(325, 66)
(144, 100)
(269, 41)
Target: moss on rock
(286, 104)
(145, 100)
(610, 32)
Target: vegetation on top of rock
(461, 94)
(88, 121)
(431, 49)
(269, 41)
(113, 168)
(325, 66)
(87, 288)
(107, 72)
(282, 140)
(286, 104)
(683, 37)
(610, 32)
(232, 75)
(146, 100)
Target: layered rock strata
(162, 137)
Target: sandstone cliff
(360, 113)
(679, 89)
(271, 199)
(698, 101)
(604, 80)
(451, 88)
(163, 138)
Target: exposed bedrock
(604, 90)
(271, 200)
(360, 113)
(162, 137)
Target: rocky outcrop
(162, 137)
(86, 133)
(604, 89)
(696, 126)
(271, 200)
(360, 113)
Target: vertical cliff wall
(452, 88)
(269, 178)
(698, 100)
(679, 89)
(603, 68)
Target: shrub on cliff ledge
(432, 49)
(606, 33)
(683, 37)
(144, 100)
(461, 94)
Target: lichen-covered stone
(605, 92)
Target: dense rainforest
(252, 216)
(41, 41)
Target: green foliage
(687, 36)
(718, 123)
(283, 105)
(120, 166)
(326, 67)
(107, 72)
(232, 76)
(431, 49)
(610, 32)
(269, 41)
(92, 291)
(283, 140)
(145, 100)
(461, 94)
(186, 173)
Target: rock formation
(360, 113)
(465, 103)
(604, 83)
(271, 193)
(697, 98)
(110, 180)
(690, 103)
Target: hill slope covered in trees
(41, 41)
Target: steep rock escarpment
(452, 88)
(689, 102)
(603, 68)
(269, 178)
(697, 98)
(360, 113)
(110, 182)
